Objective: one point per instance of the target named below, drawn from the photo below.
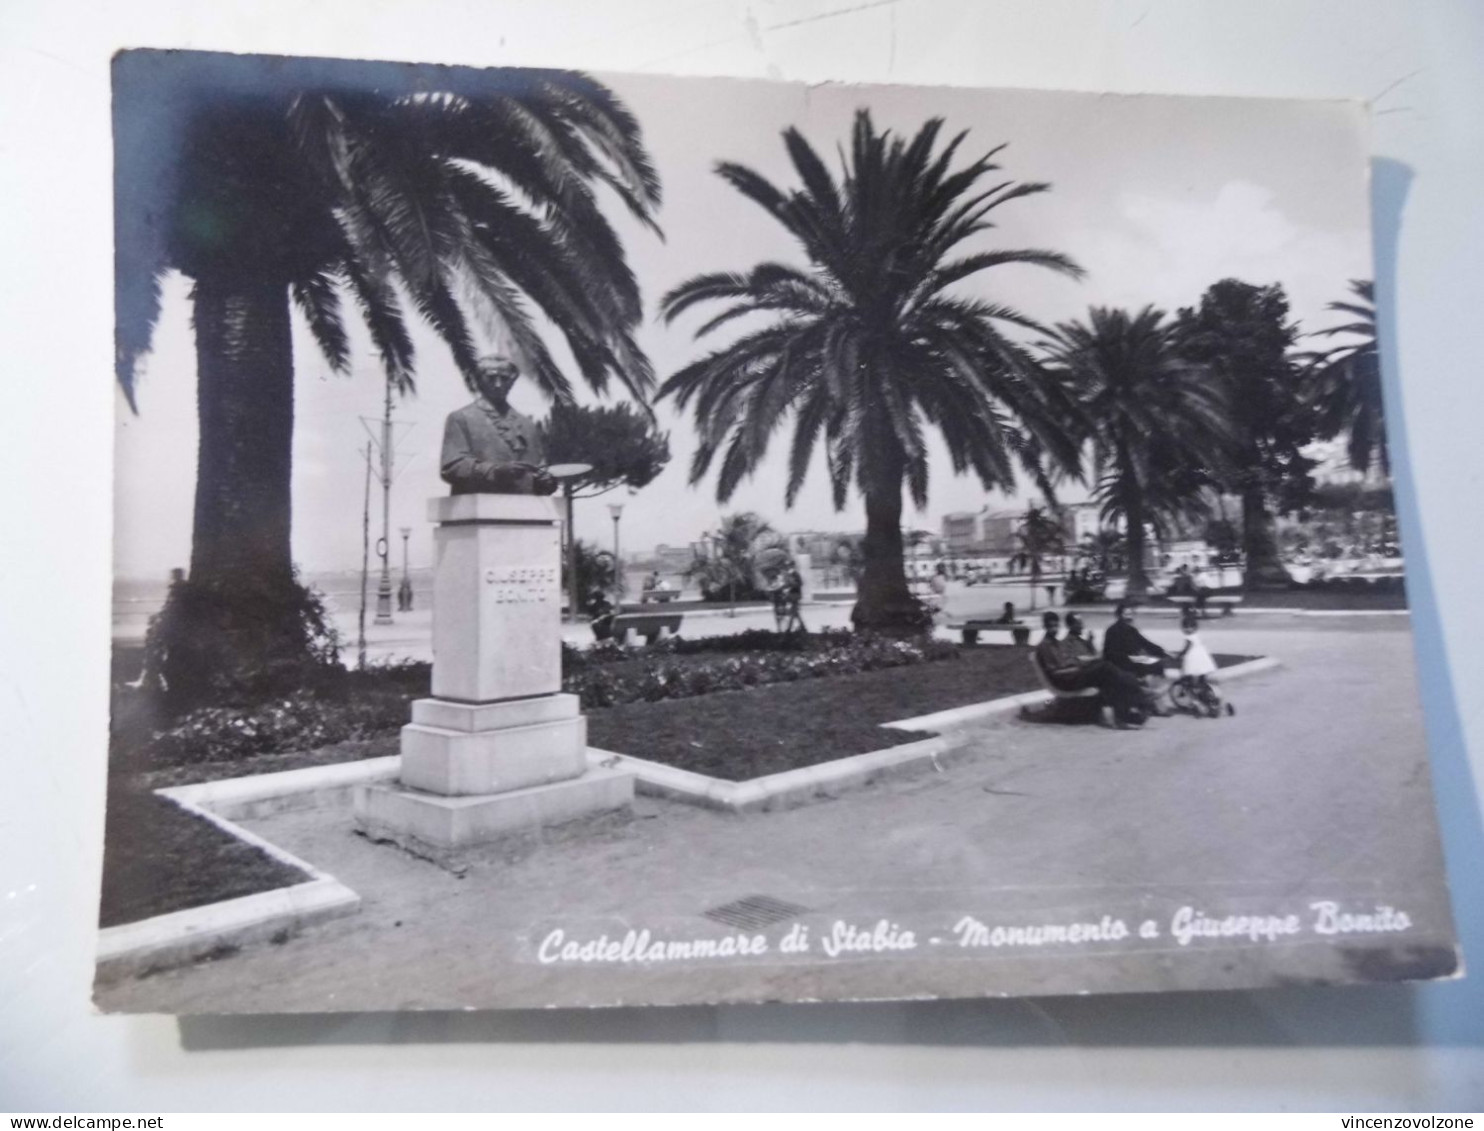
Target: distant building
(1081, 520)
(961, 532)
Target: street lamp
(616, 509)
(567, 475)
(405, 604)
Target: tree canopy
(1241, 335)
(1156, 424)
(622, 444)
(1346, 382)
(871, 346)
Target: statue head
(494, 377)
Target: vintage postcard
(595, 539)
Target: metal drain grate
(754, 912)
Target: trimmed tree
(1240, 333)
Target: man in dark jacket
(1126, 647)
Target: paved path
(1317, 790)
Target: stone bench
(651, 626)
(1226, 602)
(1019, 632)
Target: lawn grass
(737, 735)
(158, 858)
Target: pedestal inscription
(496, 598)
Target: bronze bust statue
(488, 447)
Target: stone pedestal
(498, 748)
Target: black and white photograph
(597, 539)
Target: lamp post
(406, 602)
(567, 475)
(383, 549)
(616, 509)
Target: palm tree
(1156, 425)
(270, 193)
(733, 564)
(1038, 537)
(1107, 549)
(1347, 383)
(867, 348)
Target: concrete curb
(959, 716)
(262, 795)
(184, 936)
(971, 712)
(1246, 668)
(1246, 610)
(773, 791)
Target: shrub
(237, 644)
(360, 704)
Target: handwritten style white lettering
(847, 938)
(1330, 920)
(972, 933)
(641, 946)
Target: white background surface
(1387, 1047)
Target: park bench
(651, 626)
(659, 596)
(1226, 602)
(1019, 632)
(1084, 705)
(1081, 693)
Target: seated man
(1182, 584)
(1079, 637)
(1124, 646)
(601, 614)
(1071, 665)
(1008, 616)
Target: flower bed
(680, 669)
(373, 703)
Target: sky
(1157, 197)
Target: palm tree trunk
(242, 626)
(883, 601)
(1260, 544)
(1133, 514)
(245, 407)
